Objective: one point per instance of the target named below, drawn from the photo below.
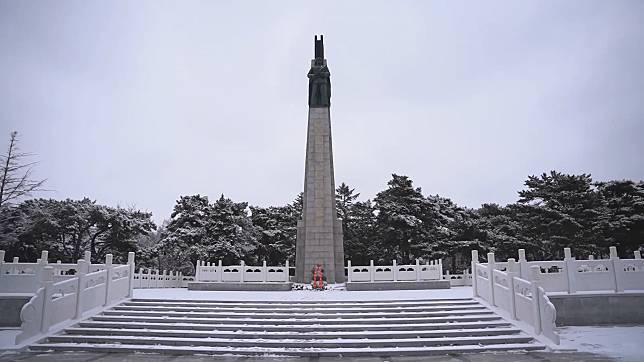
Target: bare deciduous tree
(15, 174)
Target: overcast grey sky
(135, 103)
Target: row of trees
(554, 211)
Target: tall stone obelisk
(319, 233)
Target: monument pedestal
(239, 286)
(399, 285)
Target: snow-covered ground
(625, 343)
(305, 295)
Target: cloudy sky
(134, 103)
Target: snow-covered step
(296, 328)
(303, 304)
(493, 331)
(347, 314)
(232, 319)
(292, 342)
(270, 309)
(305, 352)
(306, 328)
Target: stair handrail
(88, 292)
(524, 300)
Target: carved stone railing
(431, 270)
(59, 302)
(571, 275)
(208, 272)
(524, 300)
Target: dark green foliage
(358, 222)
(199, 230)
(69, 228)
(276, 232)
(554, 211)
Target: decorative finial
(319, 47)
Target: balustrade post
(241, 269)
(1, 263)
(88, 258)
(288, 272)
(41, 264)
(591, 257)
(349, 271)
(197, 270)
(108, 278)
(637, 254)
(156, 278)
(394, 269)
(83, 269)
(569, 265)
(523, 265)
(47, 282)
(616, 269)
(372, 271)
(14, 269)
(264, 271)
(220, 271)
(132, 270)
(535, 276)
(440, 269)
(490, 275)
(512, 272)
(180, 280)
(417, 269)
(475, 259)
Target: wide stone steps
(300, 352)
(292, 321)
(297, 328)
(302, 303)
(214, 333)
(293, 342)
(306, 328)
(296, 315)
(188, 308)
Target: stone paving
(137, 357)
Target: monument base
(238, 286)
(406, 285)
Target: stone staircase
(288, 328)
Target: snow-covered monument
(319, 233)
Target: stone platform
(406, 285)
(238, 286)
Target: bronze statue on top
(319, 78)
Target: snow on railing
(207, 272)
(523, 299)
(61, 302)
(17, 277)
(153, 278)
(571, 275)
(458, 280)
(432, 270)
